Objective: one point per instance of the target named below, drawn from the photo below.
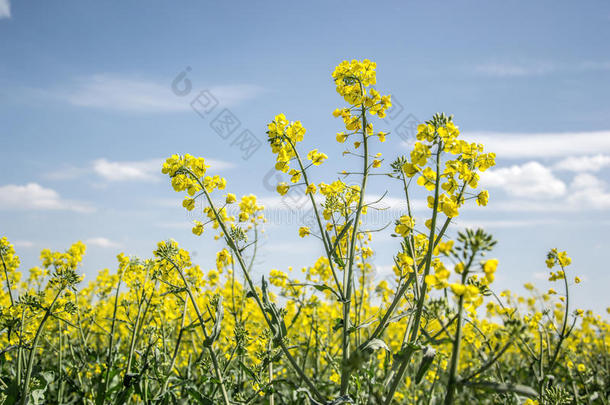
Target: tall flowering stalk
(166, 331)
(441, 163)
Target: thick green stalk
(28, 372)
(271, 398)
(20, 350)
(420, 304)
(423, 289)
(8, 281)
(59, 366)
(109, 357)
(455, 354)
(348, 277)
(403, 289)
(134, 332)
(562, 335)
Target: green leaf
(426, 362)
(217, 325)
(373, 345)
(339, 261)
(345, 399)
(37, 396)
(248, 371)
(277, 321)
(47, 376)
(231, 244)
(341, 235)
(319, 287)
(197, 396)
(12, 393)
(406, 350)
(333, 252)
(503, 388)
(341, 400)
(398, 317)
(364, 351)
(328, 240)
(353, 329)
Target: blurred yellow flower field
(162, 330)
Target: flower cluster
(187, 173)
(283, 137)
(459, 173)
(353, 80)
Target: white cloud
(509, 223)
(66, 172)
(113, 92)
(167, 202)
(147, 170)
(102, 242)
(230, 95)
(116, 171)
(33, 196)
(525, 68)
(527, 184)
(540, 275)
(583, 163)
(383, 271)
(587, 191)
(530, 145)
(5, 9)
(299, 200)
(585, 181)
(289, 201)
(524, 205)
(386, 203)
(184, 225)
(531, 180)
(513, 69)
(593, 65)
(23, 244)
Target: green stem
(242, 264)
(347, 278)
(225, 396)
(562, 335)
(20, 350)
(175, 355)
(490, 362)
(420, 304)
(455, 354)
(134, 333)
(271, 398)
(110, 357)
(28, 373)
(325, 242)
(422, 296)
(59, 366)
(8, 281)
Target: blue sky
(87, 112)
